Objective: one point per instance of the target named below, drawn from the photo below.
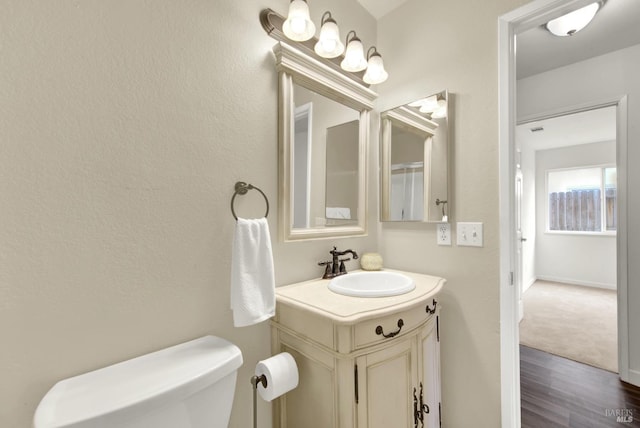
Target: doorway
(602, 91)
(302, 165)
(566, 212)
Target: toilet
(190, 385)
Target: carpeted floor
(575, 322)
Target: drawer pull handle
(432, 311)
(393, 333)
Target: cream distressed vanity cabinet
(363, 362)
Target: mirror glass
(415, 145)
(325, 161)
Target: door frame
(304, 113)
(509, 25)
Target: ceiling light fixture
(354, 59)
(571, 23)
(375, 68)
(329, 44)
(298, 25)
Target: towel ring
(242, 188)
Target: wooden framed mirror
(415, 160)
(324, 120)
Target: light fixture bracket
(272, 24)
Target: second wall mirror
(415, 160)
(324, 120)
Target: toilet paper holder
(255, 380)
(278, 375)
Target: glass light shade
(571, 23)
(429, 104)
(440, 112)
(417, 103)
(375, 70)
(298, 25)
(354, 59)
(329, 44)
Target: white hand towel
(252, 282)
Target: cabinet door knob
(379, 330)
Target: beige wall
(429, 46)
(123, 126)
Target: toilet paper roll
(281, 372)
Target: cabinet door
(386, 379)
(312, 404)
(429, 371)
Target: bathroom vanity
(363, 361)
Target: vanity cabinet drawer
(388, 327)
(307, 325)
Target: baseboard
(634, 377)
(577, 282)
(528, 284)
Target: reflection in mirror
(407, 174)
(415, 160)
(342, 174)
(326, 163)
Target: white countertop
(315, 296)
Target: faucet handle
(327, 269)
(342, 268)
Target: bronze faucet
(336, 266)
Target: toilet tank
(190, 385)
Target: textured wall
(429, 46)
(123, 126)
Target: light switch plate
(443, 234)
(469, 234)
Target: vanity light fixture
(375, 68)
(418, 103)
(440, 112)
(298, 25)
(435, 106)
(354, 59)
(431, 104)
(571, 23)
(428, 105)
(298, 31)
(329, 44)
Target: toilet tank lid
(133, 386)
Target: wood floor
(557, 392)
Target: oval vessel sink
(372, 284)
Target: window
(582, 199)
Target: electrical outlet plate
(469, 234)
(444, 234)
